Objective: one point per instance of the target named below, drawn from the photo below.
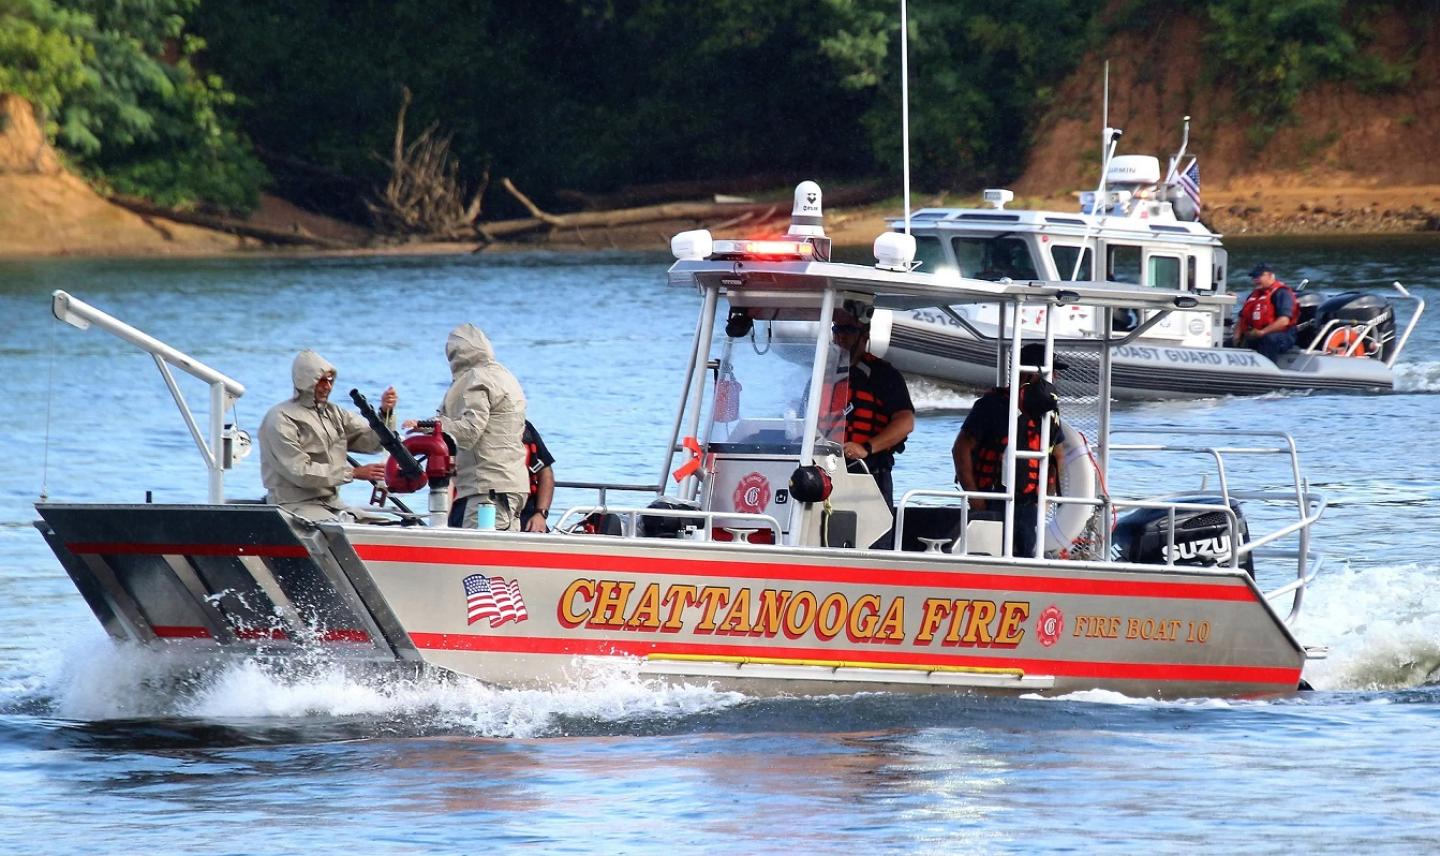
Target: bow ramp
(226, 578)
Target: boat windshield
(994, 258)
(761, 391)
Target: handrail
(1410, 327)
(224, 391)
(630, 517)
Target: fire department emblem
(1050, 625)
(752, 494)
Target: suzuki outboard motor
(1201, 537)
(1354, 307)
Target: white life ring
(1077, 479)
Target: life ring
(1342, 339)
(1078, 478)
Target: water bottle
(485, 512)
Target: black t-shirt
(988, 423)
(537, 458)
(882, 381)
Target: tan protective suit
(303, 445)
(484, 410)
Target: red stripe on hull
(777, 571)
(273, 635)
(122, 549)
(1277, 675)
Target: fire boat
(747, 564)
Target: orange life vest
(865, 420)
(988, 459)
(1259, 309)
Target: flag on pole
(1190, 182)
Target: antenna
(1105, 114)
(905, 106)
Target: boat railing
(1108, 506)
(1309, 506)
(1363, 333)
(1409, 327)
(694, 524)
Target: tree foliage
(119, 91)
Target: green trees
(596, 94)
(116, 84)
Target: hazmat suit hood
(467, 348)
(305, 372)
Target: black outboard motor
(1306, 303)
(1354, 307)
(1201, 537)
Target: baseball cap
(1034, 355)
(1263, 267)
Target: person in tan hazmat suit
(304, 441)
(484, 410)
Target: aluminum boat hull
(250, 579)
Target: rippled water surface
(110, 750)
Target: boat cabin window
(761, 391)
(994, 258)
(1122, 264)
(1164, 272)
(1064, 258)
(930, 252)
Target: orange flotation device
(1341, 341)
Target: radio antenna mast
(905, 106)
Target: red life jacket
(1259, 309)
(533, 464)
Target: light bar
(764, 249)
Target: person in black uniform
(880, 415)
(979, 449)
(539, 464)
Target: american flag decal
(495, 599)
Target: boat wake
(99, 681)
(1417, 377)
(930, 396)
(1379, 624)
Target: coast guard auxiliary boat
(1145, 231)
(754, 572)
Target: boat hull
(927, 343)
(526, 610)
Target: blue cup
(484, 516)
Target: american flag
(495, 599)
(1190, 182)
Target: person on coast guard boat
(484, 410)
(1267, 318)
(979, 449)
(880, 414)
(304, 442)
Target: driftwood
(424, 195)
(228, 225)
(671, 191)
(697, 211)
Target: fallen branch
(699, 211)
(228, 225)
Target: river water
(108, 750)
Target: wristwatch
(869, 450)
(543, 512)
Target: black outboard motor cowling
(1306, 304)
(1201, 537)
(1355, 307)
